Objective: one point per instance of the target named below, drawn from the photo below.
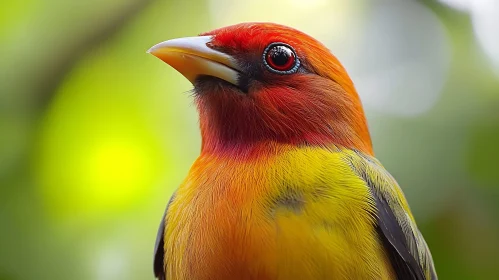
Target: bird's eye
(280, 58)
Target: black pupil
(280, 55)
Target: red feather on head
(317, 105)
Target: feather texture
(409, 253)
(302, 213)
(159, 252)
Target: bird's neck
(250, 148)
(314, 114)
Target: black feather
(396, 242)
(403, 262)
(159, 251)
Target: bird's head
(260, 83)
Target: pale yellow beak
(192, 58)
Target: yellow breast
(301, 214)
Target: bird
(286, 185)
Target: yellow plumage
(304, 213)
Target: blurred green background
(95, 134)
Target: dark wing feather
(394, 241)
(159, 251)
(406, 247)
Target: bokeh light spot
(485, 20)
(98, 154)
(119, 164)
(116, 170)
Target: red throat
(238, 124)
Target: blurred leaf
(483, 152)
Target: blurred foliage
(95, 135)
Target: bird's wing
(407, 249)
(159, 251)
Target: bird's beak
(192, 57)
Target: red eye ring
(281, 58)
